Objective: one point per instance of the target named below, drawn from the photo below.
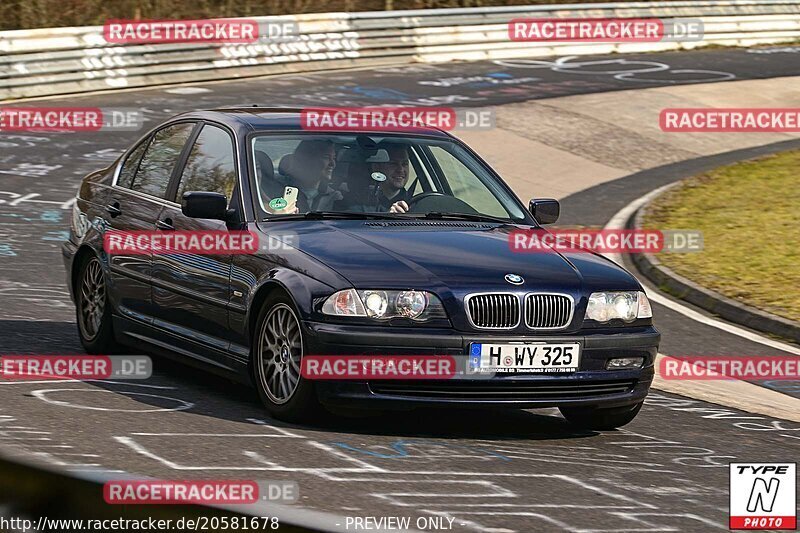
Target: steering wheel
(428, 202)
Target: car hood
(466, 256)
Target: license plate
(525, 357)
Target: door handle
(114, 210)
(165, 224)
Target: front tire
(277, 354)
(93, 313)
(601, 418)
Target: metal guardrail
(69, 60)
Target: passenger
(309, 169)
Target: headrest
(285, 166)
(264, 167)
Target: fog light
(623, 363)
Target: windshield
(360, 174)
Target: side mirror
(211, 205)
(545, 210)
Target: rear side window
(128, 171)
(210, 166)
(160, 159)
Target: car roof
(287, 119)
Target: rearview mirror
(545, 210)
(211, 205)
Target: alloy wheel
(280, 351)
(92, 299)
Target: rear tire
(601, 418)
(276, 358)
(92, 311)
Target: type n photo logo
(763, 496)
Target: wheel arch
(297, 287)
(264, 291)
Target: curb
(711, 301)
(734, 393)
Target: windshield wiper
(343, 215)
(435, 215)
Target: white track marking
(47, 381)
(42, 395)
(211, 435)
(37, 382)
(532, 455)
(494, 490)
(44, 445)
(654, 527)
(258, 458)
(338, 453)
(261, 462)
(276, 428)
(104, 470)
(187, 90)
(77, 454)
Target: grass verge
(749, 213)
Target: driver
(392, 194)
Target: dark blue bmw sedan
(379, 243)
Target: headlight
(376, 302)
(411, 304)
(383, 305)
(622, 305)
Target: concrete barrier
(54, 61)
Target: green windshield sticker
(277, 203)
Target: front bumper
(591, 385)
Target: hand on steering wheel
(399, 207)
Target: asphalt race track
(489, 471)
